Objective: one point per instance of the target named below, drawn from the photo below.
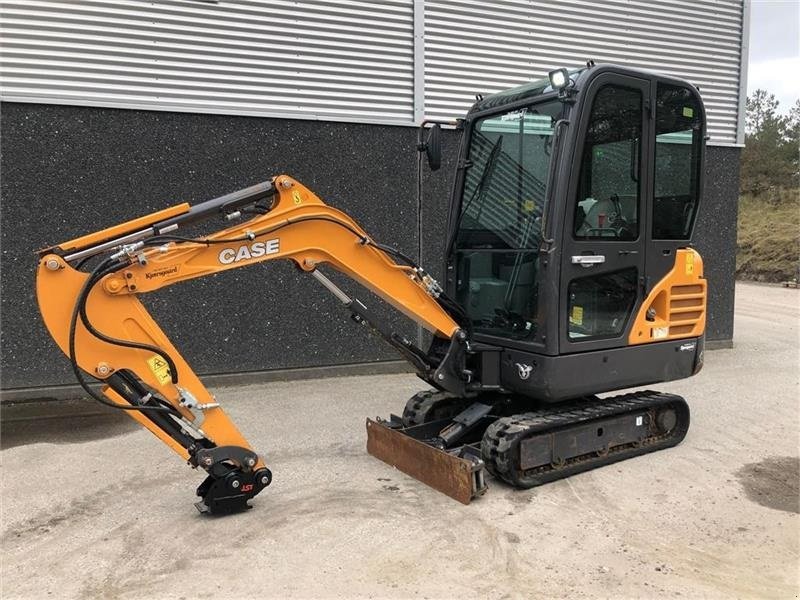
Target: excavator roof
(537, 87)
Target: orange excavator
(568, 273)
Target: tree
(770, 156)
(761, 108)
(794, 123)
(792, 141)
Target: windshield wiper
(488, 169)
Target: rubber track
(422, 407)
(500, 445)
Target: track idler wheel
(666, 419)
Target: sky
(774, 63)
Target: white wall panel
(354, 60)
(333, 59)
(474, 46)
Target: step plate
(460, 478)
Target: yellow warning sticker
(577, 315)
(688, 112)
(689, 263)
(160, 369)
(297, 197)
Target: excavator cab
(569, 273)
(572, 204)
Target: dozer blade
(459, 476)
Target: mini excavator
(568, 273)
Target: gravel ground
(95, 508)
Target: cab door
(603, 257)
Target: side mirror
(432, 146)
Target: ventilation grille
(686, 308)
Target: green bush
(769, 236)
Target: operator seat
(608, 218)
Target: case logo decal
(254, 250)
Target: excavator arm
(88, 291)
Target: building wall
(378, 61)
(69, 170)
(473, 47)
(116, 108)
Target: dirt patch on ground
(774, 482)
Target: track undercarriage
(449, 442)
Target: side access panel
(558, 378)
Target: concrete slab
(716, 517)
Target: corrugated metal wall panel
(333, 59)
(353, 60)
(472, 46)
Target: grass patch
(769, 236)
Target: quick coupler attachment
(232, 479)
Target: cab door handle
(588, 260)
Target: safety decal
(577, 315)
(160, 369)
(689, 263)
(297, 197)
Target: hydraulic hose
(102, 269)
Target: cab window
(679, 135)
(499, 228)
(607, 203)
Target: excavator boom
(96, 317)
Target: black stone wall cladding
(715, 238)
(66, 171)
